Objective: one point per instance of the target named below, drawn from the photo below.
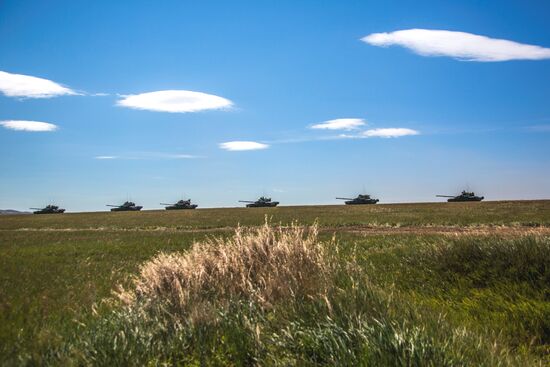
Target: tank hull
(130, 209)
(181, 207)
(262, 205)
(362, 202)
(59, 211)
(465, 199)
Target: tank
(181, 204)
(49, 209)
(128, 206)
(360, 200)
(262, 202)
(464, 196)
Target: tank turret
(262, 202)
(359, 200)
(49, 209)
(464, 196)
(180, 204)
(128, 206)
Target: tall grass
(263, 266)
(525, 260)
(496, 281)
(271, 296)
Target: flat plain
(481, 267)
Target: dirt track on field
(445, 230)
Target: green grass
(496, 287)
(484, 283)
(48, 280)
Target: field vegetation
(385, 285)
(513, 213)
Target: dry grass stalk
(264, 265)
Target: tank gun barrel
(165, 204)
(246, 201)
(344, 198)
(115, 206)
(37, 208)
(445, 196)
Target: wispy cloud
(175, 101)
(392, 132)
(540, 128)
(179, 156)
(24, 125)
(26, 86)
(148, 156)
(340, 124)
(243, 145)
(460, 45)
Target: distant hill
(11, 212)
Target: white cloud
(175, 101)
(460, 45)
(340, 124)
(105, 157)
(23, 125)
(26, 86)
(243, 145)
(392, 132)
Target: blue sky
(470, 112)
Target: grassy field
(528, 213)
(431, 284)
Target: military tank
(181, 204)
(128, 206)
(262, 202)
(464, 196)
(49, 209)
(359, 200)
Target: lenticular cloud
(460, 45)
(391, 132)
(243, 145)
(340, 124)
(175, 101)
(24, 125)
(26, 86)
